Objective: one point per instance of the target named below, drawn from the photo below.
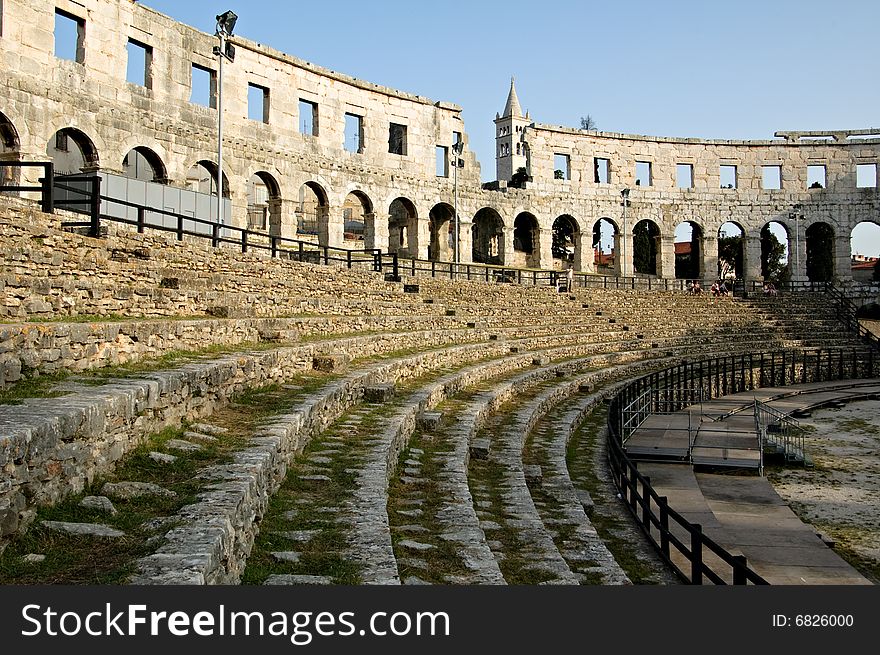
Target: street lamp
(457, 162)
(225, 25)
(624, 194)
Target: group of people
(718, 288)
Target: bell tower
(510, 144)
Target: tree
(730, 256)
(558, 174)
(519, 179)
(772, 253)
(587, 123)
(563, 244)
(644, 249)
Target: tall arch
(526, 240)
(264, 203)
(731, 251)
(487, 237)
(202, 178)
(605, 236)
(313, 213)
(820, 252)
(565, 246)
(864, 257)
(358, 220)
(440, 226)
(776, 253)
(72, 151)
(645, 240)
(10, 150)
(688, 250)
(403, 227)
(141, 163)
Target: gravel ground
(840, 495)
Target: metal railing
(720, 376)
(778, 430)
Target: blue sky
(689, 69)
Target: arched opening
(604, 237)
(357, 219)
(264, 203)
(143, 164)
(566, 241)
(440, 225)
(820, 252)
(402, 228)
(526, 237)
(72, 152)
(202, 178)
(865, 252)
(688, 251)
(775, 253)
(10, 146)
(312, 211)
(731, 251)
(487, 234)
(645, 237)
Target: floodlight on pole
(225, 25)
(457, 162)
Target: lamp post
(624, 194)
(457, 162)
(225, 25)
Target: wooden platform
(743, 513)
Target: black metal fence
(668, 530)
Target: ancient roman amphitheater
(364, 366)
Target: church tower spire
(510, 141)
(512, 109)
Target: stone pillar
(330, 231)
(583, 250)
(842, 259)
(282, 219)
(375, 232)
(666, 256)
(507, 247)
(466, 254)
(623, 256)
(545, 248)
(708, 267)
(797, 259)
(420, 238)
(588, 258)
(752, 258)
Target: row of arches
(491, 240)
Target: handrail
(715, 377)
(847, 312)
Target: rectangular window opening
(771, 177)
(561, 167)
(140, 62)
(602, 170)
(643, 173)
(308, 118)
(204, 87)
(258, 103)
(866, 176)
(816, 176)
(354, 133)
(442, 156)
(728, 176)
(684, 176)
(397, 139)
(70, 36)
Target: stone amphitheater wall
(44, 93)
